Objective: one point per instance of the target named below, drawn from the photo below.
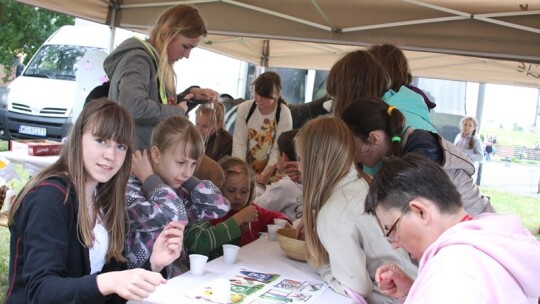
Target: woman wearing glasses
(345, 245)
(379, 131)
(489, 258)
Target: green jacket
(203, 238)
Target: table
(33, 164)
(262, 255)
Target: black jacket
(48, 264)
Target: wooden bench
(504, 151)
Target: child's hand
(268, 172)
(300, 229)
(246, 215)
(291, 168)
(134, 284)
(168, 246)
(204, 94)
(141, 166)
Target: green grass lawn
(527, 207)
(508, 137)
(4, 260)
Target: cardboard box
(36, 147)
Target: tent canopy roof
(487, 41)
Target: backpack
(102, 90)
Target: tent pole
(113, 7)
(537, 108)
(265, 53)
(479, 111)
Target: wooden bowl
(293, 248)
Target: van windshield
(57, 61)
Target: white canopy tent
(488, 41)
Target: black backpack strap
(254, 105)
(251, 110)
(278, 111)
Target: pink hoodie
(491, 259)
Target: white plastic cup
(272, 229)
(221, 291)
(230, 252)
(280, 222)
(197, 263)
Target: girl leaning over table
(345, 245)
(68, 224)
(379, 130)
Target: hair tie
(396, 139)
(390, 109)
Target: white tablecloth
(32, 164)
(263, 255)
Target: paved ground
(511, 177)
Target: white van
(40, 103)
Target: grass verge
(4, 261)
(526, 207)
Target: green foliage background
(23, 28)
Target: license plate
(30, 130)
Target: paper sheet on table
(251, 286)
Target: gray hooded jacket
(134, 84)
(456, 164)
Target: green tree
(23, 28)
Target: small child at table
(285, 195)
(162, 189)
(242, 225)
(239, 189)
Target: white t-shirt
(258, 137)
(98, 252)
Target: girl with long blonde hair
(345, 244)
(467, 140)
(141, 71)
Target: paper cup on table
(197, 262)
(229, 253)
(272, 229)
(221, 291)
(280, 222)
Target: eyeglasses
(391, 235)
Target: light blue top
(414, 109)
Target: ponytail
(470, 145)
(395, 123)
(369, 114)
